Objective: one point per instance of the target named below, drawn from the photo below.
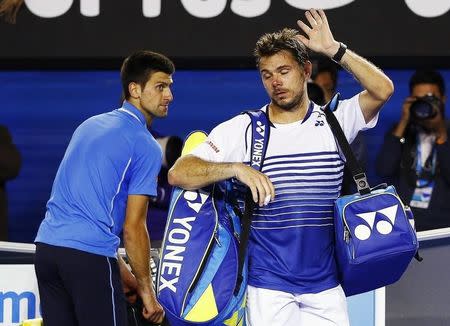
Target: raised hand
(406, 107)
(319, 37)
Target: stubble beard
(155, 112)
(291, 105)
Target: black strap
(260, 139)
(243, 239)
(357, 172)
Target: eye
(266, 75)
(284, 71)
(160, 87)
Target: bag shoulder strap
(358, 173)
(260, 139)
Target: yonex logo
(178, 236)
(319, 119)
(363, 232)
(319, 123)
(260, 128)
(258, 145)
(192, 199)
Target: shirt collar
(134, 112)
(308, 113)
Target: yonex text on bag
(202, 276)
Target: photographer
(416, 153)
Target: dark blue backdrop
(42, 109)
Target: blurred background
(60, 60)
(59, 65)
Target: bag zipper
(347, 240)
(204, 260)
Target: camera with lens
(425, 107)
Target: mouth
(280, 94)
(277, 91)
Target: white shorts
(276, 308)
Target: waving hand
(319, 37)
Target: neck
(148, 118)
(137, 105)
(280, 115)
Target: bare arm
(129, 282)
(378, 87)
(137, 245)
(190, 172)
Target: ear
(307, 67)
(135, 90)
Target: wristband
(340, 53)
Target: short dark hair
(427, 77)
(272, 43)
(139, 66)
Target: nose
(169, 95)
(276, 81)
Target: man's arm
(191, 172)
(129, 282)
(378, 87)
(9, 156)
(137, 245)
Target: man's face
(421, 90)
(156, 95)
(284, 80)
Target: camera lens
(425, 107)
(422, 109)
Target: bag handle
(260, 139)
(357, 172)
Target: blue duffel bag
(375, 239)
